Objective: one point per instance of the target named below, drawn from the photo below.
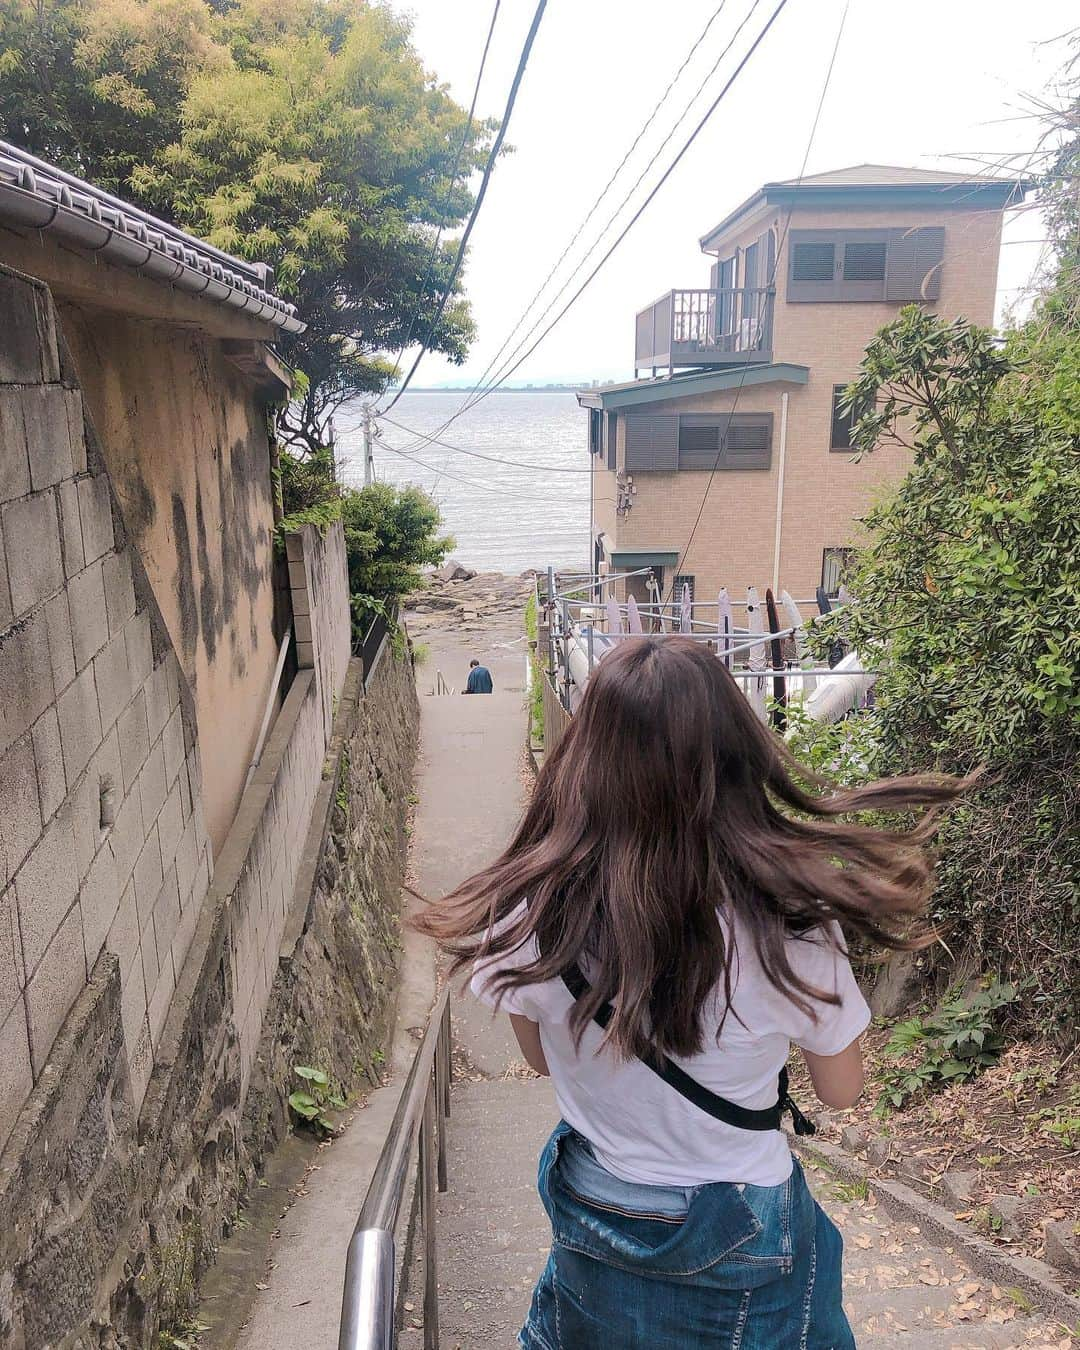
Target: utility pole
(369, 474)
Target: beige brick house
(742, 378)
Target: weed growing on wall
(311, 1104)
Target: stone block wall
(103, 840)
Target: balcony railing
(705, 328)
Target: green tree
(390, 534)
(326, 149)
(98, 88)
(306, 135)
(974, 560)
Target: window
(664, 442)
(843, 419)
(898, 265)
(698, 440)
(835, 564)
(682, 580)
(596, 427)
(749, 437)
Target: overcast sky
(922, 83)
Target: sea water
(504, 517)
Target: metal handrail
(368, 1319)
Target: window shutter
(611, 441)
(721, 441)
(813, 262)
(766, 246)
(838, 265)
(714, 277)
(864, 262)
(652, 442)
(748, 444)
(914, 266)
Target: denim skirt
(637, 1267)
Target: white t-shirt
(640, 1128)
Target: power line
(470, 400)
(519, 73)
(505, 375)
(476, 454)
(607, 187)
(771, 287)
(453, 181)
(445, 473)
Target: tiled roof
(36, 195)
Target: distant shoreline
(534, 389)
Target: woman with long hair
(664, 926)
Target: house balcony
(706, 329)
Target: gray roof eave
(637, 392)
(997, 193)
(36, 195)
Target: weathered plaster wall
(131, 1130)
(186, 445)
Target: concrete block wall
(102, 840)
(318, 571)
(269, 838)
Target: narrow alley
(493, 1233)
(902, 1294)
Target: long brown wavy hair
(665, 804)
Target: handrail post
(428, 1150)
(442, 1094)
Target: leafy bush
(956, 1042)
(390, 533)
(967, 594)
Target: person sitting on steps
(665, 924)
(479, 679)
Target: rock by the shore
(457, 595)
(454, 571)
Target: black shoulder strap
(731, 1113)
